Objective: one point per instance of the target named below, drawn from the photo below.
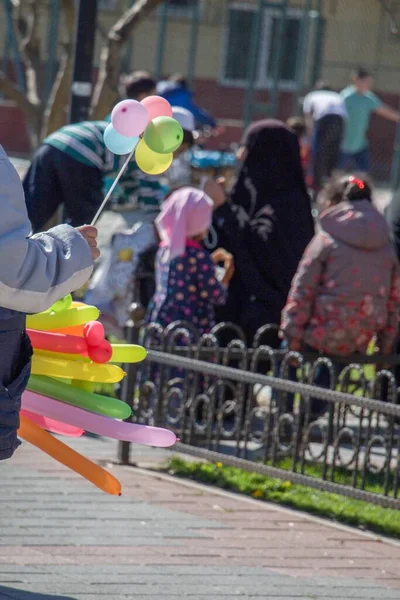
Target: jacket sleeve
(231, 236)
(387, 337)
(392, 214)
(299, 308)
(35, 271)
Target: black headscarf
(272, 166)
(268, 223)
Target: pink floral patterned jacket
(347, 285)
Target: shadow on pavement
(15, 594)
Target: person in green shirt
(360, 104)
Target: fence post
(85, 37)
(194, 35)
(302, 56)
(319, 45)
(162, 34)
(276, 58)
(52, 40)
(129, 383)
(253, 61)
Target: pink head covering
(185, 214)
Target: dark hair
(298, 125)
(188, 138)
(357, 189)
(348, 187)
(361, 73)
(323, 86)
(138, 83)
(178, 78)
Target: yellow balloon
(69, 369)
(150, 162)
(63, 356)
(127, 353)
(78, 315)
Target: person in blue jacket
(176, 91)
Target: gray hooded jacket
(35, 272)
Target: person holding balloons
(35, 272)
(72, 165)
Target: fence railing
(301, 418)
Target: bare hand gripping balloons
(70, 356)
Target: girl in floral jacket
(347, 286)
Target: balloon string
(112, 188)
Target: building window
(182, 8)
(238, 46)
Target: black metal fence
(301, 418)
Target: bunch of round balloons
(71, 356)
(147, 126)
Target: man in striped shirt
(73, 167)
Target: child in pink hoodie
(347, 285)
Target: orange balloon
(77, 330)
(33, 434)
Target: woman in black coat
(266, 224)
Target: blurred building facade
(213, 41)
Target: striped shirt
(84, 143)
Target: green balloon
(163, 135)
(101, 405)
(62, 304)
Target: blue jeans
(358, 160)
(15, 362)
(328, 133)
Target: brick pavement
(62, 539)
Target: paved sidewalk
(62, 539)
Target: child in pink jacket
(347, 285)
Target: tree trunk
(57, 107)
(26, 18)
(30, 52)
(106, 91)
(32, 113)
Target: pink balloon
(105, 426)
(157, 107)
(53, 426)
(129, 118)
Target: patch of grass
(373, 481)
(332, 506)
